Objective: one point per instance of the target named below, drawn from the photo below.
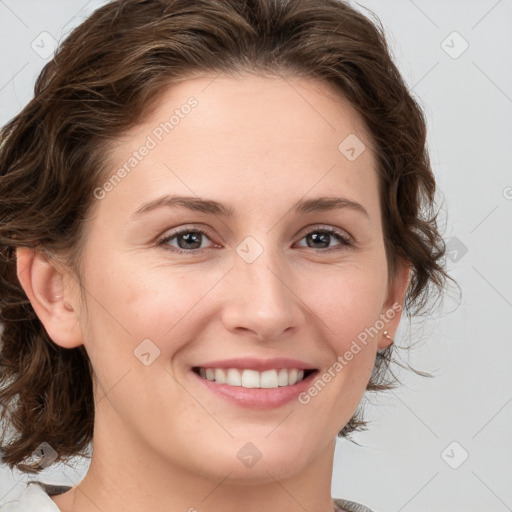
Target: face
(273, 263)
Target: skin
(161, 441)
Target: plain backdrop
(440, 444)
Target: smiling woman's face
(254, 273)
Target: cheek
(346, 303)
(346, 300)
(128, 303)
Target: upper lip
(252, 363)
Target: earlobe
(45, 285)
(393, 308)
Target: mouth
(254, 379)
(253, 382)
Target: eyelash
(345, 240)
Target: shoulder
(350, 506)
(34, 496)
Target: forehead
(291, 107)
(211, 135)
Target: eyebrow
(208, 206)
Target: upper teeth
(253, 378)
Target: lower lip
(258, 398)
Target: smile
(248, 378)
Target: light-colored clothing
(35, 497)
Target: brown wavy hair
(104, 78)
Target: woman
(213, 216)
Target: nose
(259, 299)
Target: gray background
(439, 444)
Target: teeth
(250, 379)
(233, 377)
(282, 378)
(253, 378)
(269, 379)
(220, 376)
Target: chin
(257, 461)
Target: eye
(185, 240)
(321, 239)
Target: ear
(49, 287)
(394, 305)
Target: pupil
(320, 237)
(190, 238)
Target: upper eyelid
(324, 227)
(183, 229)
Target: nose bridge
(260, 291)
